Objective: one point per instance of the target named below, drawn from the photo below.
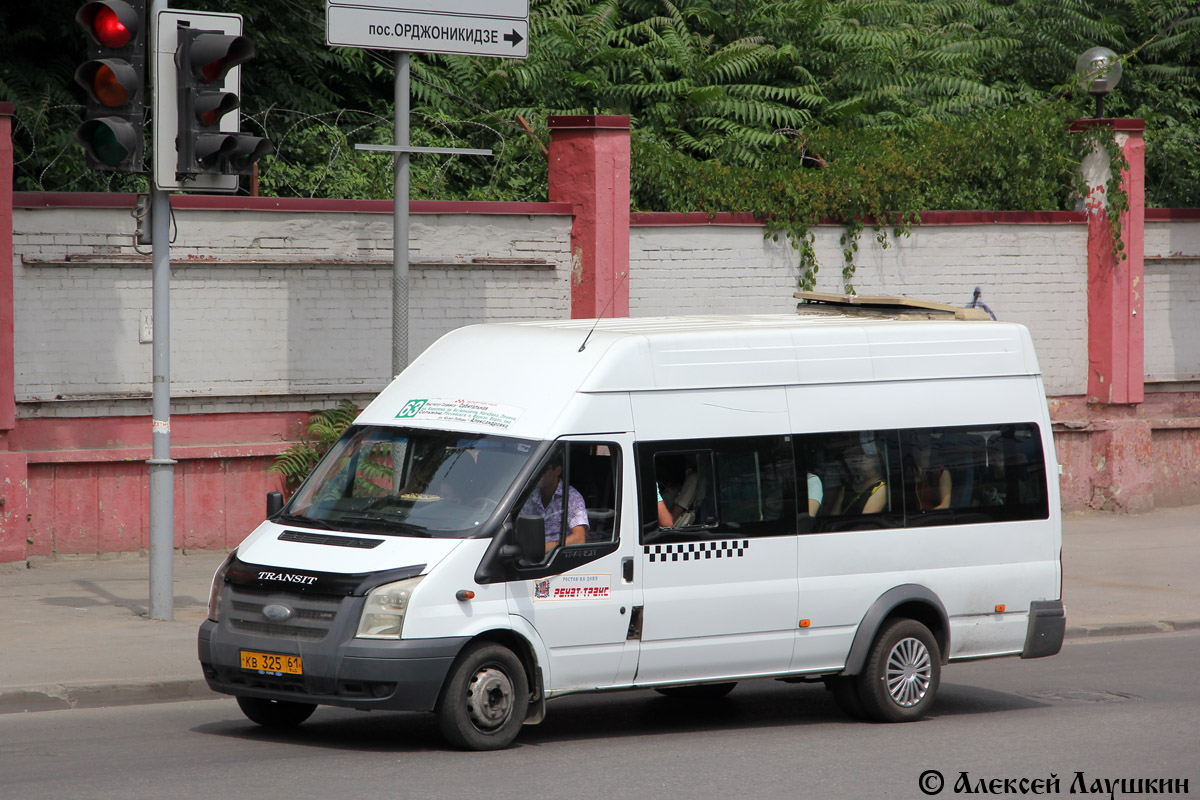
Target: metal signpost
(491, 28)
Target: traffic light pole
(162, 467)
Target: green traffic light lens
(106, 146)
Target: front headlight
(217, 588)
(383, 614)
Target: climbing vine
(1110, 198)
(1013, 160)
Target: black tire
(703, 691)
(486, 698)
(844, 689)
(900, 680)
(275, 713)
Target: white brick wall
(267, 321)
(1172, 301)
(243, 327)
(1033, 274)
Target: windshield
(409, 482)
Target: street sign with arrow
(495, 28)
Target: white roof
(515, 378)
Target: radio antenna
(611, 297)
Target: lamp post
(1099, 72)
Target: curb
(63, 696)
(1131, 628)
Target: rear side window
(851, 481)
(854, 480)
(986, 473)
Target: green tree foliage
(765, 85)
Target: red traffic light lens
(213, 70)
(108, 28)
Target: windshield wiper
(300, 519)
(389, 524)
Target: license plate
(269, 662)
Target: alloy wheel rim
(909, 672)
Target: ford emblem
(277, 612)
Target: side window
(712, 488)
(850, 481)
(574, 495)
(974, 474)
(684, 480)
(594, 470)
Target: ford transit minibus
(848, 496)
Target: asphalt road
(1108, 708)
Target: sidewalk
(76, 633)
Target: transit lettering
(287, 577)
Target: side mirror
(274, 504)
(531, 538)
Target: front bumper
(394, 675)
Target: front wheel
(275, 713)
(485, 700)
(900, 679)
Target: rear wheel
(485, 700)
(275, 713)
(704, 691)
(900, 679)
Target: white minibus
(853, 495)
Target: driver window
(575, 495)
(594, 470)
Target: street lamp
(1099, 72)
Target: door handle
(627, 569)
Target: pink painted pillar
(7, 375)
(14, 469)
(1121, 449)
(589, 168)
(1116, 327)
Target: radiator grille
(312, 618)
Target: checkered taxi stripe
(695, 551)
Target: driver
(547, 501)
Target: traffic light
(203, 59)
(114, 77)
